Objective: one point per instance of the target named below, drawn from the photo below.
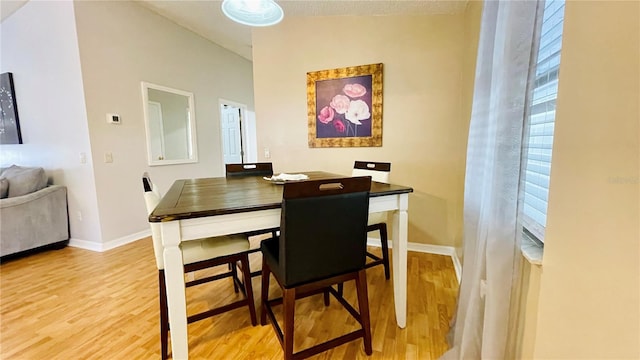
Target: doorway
(238, 129)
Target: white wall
(122, 44)
(39, 46)
(75, 62)
(589, 301)
(425, 116)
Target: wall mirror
(170, 125)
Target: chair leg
(289, 306)
(246, 277)
(264, 292)
(164, 316)
(385, 250)
(363, 305)
(234, 273)
(326, 296)
(340, 289)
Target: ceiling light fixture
(253, 12)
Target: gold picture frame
(344, 107)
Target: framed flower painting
(344, 107)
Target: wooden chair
(198, 255)
(379, 171)
(249, 169)
(322, 242)
(252, 169)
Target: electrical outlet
(114, 119)
(108, 157)
(267, 153)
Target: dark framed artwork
(344, 107)
(9, 122)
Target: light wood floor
(79, 304)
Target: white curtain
(491, 245)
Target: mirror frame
(192, 124)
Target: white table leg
(176, 296)
(399, 251)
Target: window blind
(542, 113)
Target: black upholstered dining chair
(249, 169)
(322, 242)
(379, 171)
(252, 169)
(198, 255)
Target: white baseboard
(126, 240)
(84, 244)
(100, 247)
(429, 249)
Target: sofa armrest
(23, 199)
(33, 220)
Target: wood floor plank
(78, 304)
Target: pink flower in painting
(340, 103)
(358, 110)
(339, 126)
(326, 115)
(354, 90)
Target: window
(540, 121)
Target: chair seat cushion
(377, 218)
(205, 249)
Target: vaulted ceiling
(206, 19)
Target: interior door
(231, 134)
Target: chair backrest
(323, 228)
(151, 199)
(249, 169)
(379, 171)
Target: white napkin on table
(287, 177)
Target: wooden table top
(193, 198)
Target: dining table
(207, 207)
